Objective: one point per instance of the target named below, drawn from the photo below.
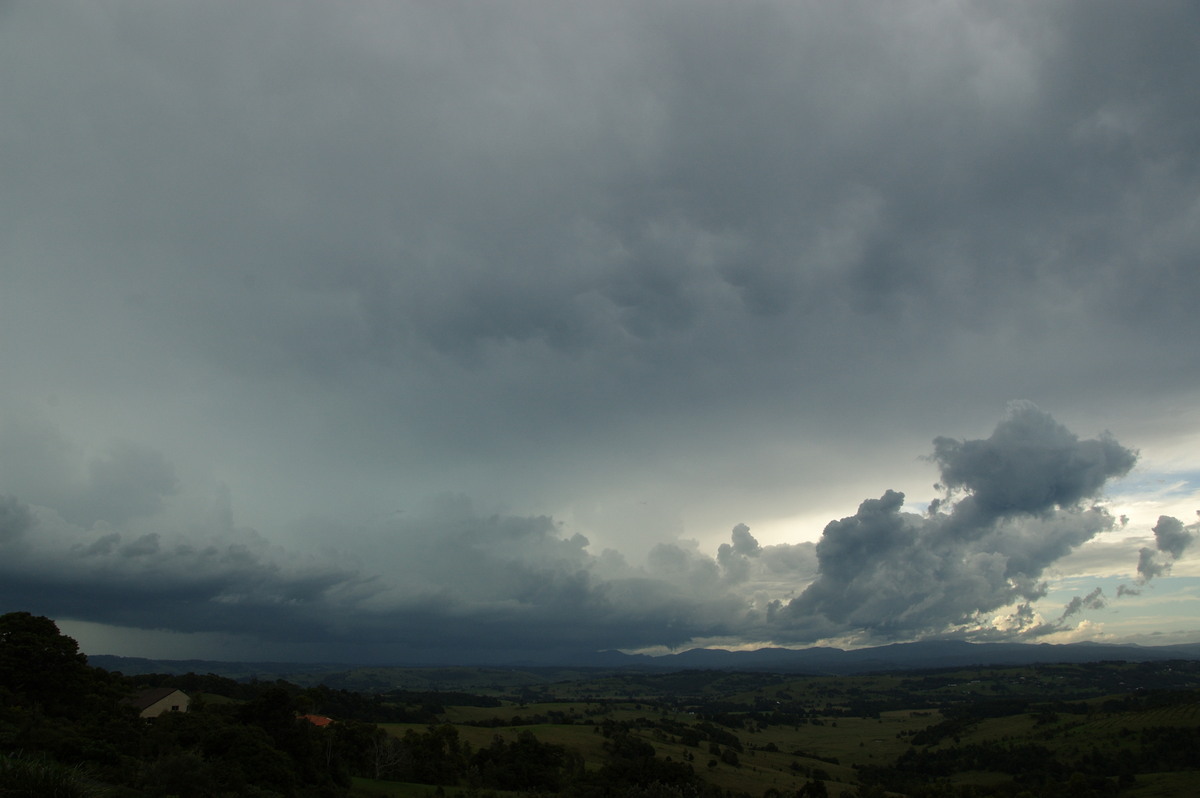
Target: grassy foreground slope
(1084, 729)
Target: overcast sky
(379, 331)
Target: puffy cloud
(1150, 565)
(1031, 464)
(1171, 536)
(1017, 504)
(1026, 623)
(1171, 539)
(734, 558)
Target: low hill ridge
(818, 660)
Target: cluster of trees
(65, 722)
(54, 708)
(526, 764)
(438, 756)
(554, 717)
(67, 729)
(1034, 770)
(1037, 770)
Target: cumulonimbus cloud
(458, 582)
(1018, 501)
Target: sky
(458, 332)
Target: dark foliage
(525, 764)
(54, 706)
(67, 725)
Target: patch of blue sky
(1167, 604)
(1162, 483)
(1144, 496)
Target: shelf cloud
(459, 583)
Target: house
(154, 701)
(317, 720)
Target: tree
(525, 764)
(814, 789)
(39, 665)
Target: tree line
(64, 721)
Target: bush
(37, 777)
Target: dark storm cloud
(15, 519)
(142, 547)
(456, 580)
(1022, 507)
(131, 481)
(103, 545)
(458, 585)
(1030, 464)
(540, 232)
(153, 582)
(128, 482)
(323, 261)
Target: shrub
(37, 777)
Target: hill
(810, 661)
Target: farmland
(1080, 729)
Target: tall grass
(23, 776)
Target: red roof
(317, 720)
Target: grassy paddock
(373, 788)
(1164, 785)
(789, 728)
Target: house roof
(151, 696)
(317, 720)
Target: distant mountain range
(918, 656)
(815, 661)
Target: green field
(974, 731)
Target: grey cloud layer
(478, 586)
(539, 228)
(457, 584)
(315, 263)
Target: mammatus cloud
(1015, 502)
(539, 251)
(459, 584)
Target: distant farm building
(155, 701)
(317, 720)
